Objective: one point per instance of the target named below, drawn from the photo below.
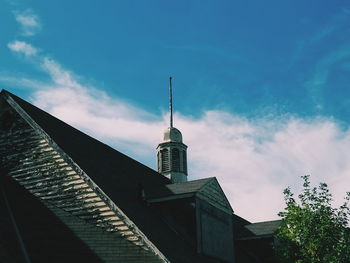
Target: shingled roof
(188, 187)
(245, 230)
(36, 231)
(254, 241)
(266, 228)
(90, 173)
(207, 189)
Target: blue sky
(260, 88)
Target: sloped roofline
(131, 225)
(187, 194)
(223, 194)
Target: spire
(172, 152)
(171, 102)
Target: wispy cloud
(22, 47)
(29, 22)
(329, 56)
(254, 159)
(322, 72)
(22, 82)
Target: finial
(171, 103)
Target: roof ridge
(264, 222)
(15, 98)
(3, 91)
(193, 181)
(209, 180)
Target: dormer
(201, 213)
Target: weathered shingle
(119, 176)
(30, 159)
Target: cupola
(172, 152)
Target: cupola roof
(171, 134)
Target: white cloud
(22, 47)
(253, 159)
(28, 21)
(58, 75)
(22, 82)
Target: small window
(184, 162)
(158, 161)
(165, 160)
(175, 160)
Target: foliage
(312, 231)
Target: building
(66, 197)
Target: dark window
(165, 160)
(175, 157)
(159, 161)
(184, 161)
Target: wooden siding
(213, 194)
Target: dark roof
(188, 187)
(207, 189)
(253, 240)
(264, 228)
(120, 177)
(244, 229)
(52, 209)
(46, 233)
(178, 188)
(239, 229)
(43, 235)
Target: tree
(311, 230)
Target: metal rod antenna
(171, 102)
